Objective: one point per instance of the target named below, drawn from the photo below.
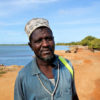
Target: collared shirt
(28, 86)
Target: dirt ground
(87, 75)
(7, 81)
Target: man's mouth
(46, 51)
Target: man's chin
(48, 58)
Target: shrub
(95, 44)
(86, 41)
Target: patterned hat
(34, 24)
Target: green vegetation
(87, 40)
(90, 41)
(2, 71)
(71, 43)
(13, 44)
(95, 44)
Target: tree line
(90, 41)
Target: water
(19, 55)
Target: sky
(70, 20)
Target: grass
(2, 71)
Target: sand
(87, 75)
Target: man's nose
(45, 43)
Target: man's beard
(49, 58)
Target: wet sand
(87, 75)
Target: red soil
(87, 75)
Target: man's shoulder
(26, 69)
(67, 60)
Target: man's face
(42, 43)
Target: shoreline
(87, 75)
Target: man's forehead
(42, 31)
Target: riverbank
(87, 75)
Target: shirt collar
(35, 70)
(55, 62)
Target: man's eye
(50, 39)
(38, 41)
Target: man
(47, 76)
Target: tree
(86, 41)
(95, 44)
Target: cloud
(82, 21)
(3, 13)
(77, 11)
(74, 11)
(13, 37)
(33, 1)
(10, 23)
(81, 15)
(25, 2)
(8, 7)
(10, 32)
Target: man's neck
(45, 68)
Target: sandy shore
(87, 75)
